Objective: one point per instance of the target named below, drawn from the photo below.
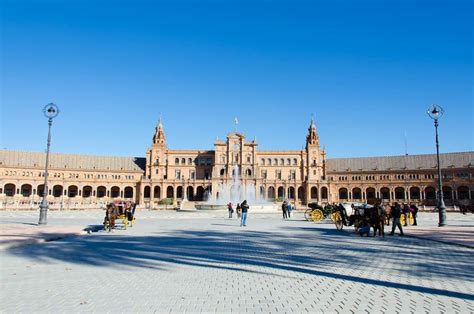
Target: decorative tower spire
(159, 137)
(312, 138)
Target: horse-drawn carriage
(318, 213)
(362, 215)
(123, 211)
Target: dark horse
(377, 219)
(111, 214)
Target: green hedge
(166, 201)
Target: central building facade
(196, 175)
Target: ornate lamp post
(436, 112)
(50, 111)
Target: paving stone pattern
(186, 263)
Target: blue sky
(367, 70)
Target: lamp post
(50, 111)
(436, 112)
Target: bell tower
(156, 159)
(315, 158)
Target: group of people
(242, 210)
(287, 208)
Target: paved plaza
(205, 262)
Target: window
(292, 175)
(288, 162)
(269, 162)
(249, 158)
(295, 162)
(183, 161)
(264, 174)
(278, 174)
(177, 174)
(176, 161)
(190, 161)
(282, 162)
(192, 175)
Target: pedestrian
(414, 212)
(289, 208)
(244, 207)
(283, 209)
(396, 214)
(238, 209)
(230, 209)
(406, 213)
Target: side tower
(315, 160)
(156, 160)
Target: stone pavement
(174, 262)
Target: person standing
(283, 209)
(230, 209)
(289, 208)
(406, 213)
(414, 212)
(396, 214)
(238, 209)
(244, 207)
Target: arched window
(295, 162)
(249, 173)
(57, 190)
(190, 161)
(72, 191)
(115, 192)
(291, 193)
(356, 194)
(157, 192)
(385, 193)
(314, 193)
(169, 192)
(301, 194)
(447, 193)
(288, 162)
(343, 195)
(430, 193)
(176, 161)
(262, 161)
(179, 192)
(414, 193)
(183, 161)
(400, 193)
(128, 192)
(101, 191)
(269, 162)
(26, 190)
(370, 193)
(222, 172)
(271, 193)
(281, 192)
(324, 193)
(190, 193)
(9, 189)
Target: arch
(324, 193)
(356, 193)
(415, 193)
(385, 193)
(190, 193)
(262, 161)
(314, 193)
(179, 192)
(57, 190)
(157, 192)
(343, 194)
(115, 192)
(176, 161)
(291, 193)
(40, 190)
(447, 193)
(222, 172)
(183, 161)
(9, 189)
(26, 190)
(199, 193)
(248, 173)
(87, 191)
(301, 193)
(430, 193)
(271, 193)
(281, 192)
(72, 191)
(463, 193)
(169, 192)
(128, 192)
(101, 191)
(190, 161)
(399, 193)
(370, 194)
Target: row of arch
(400, 193)
(27, 190)
(179, 192)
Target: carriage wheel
(336, 217)
(307, 215)
(317, 215)
(411, 219)
(402, 219)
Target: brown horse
(377, 219)
(111, 214)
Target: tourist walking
(244, 207)
(406, 213)
(230, 209)
(396, 214)
(414, 212)
(238, 209)
(283, 209)
(289, 208)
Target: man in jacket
(396, 214)
(244, 207)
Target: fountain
(235, 192)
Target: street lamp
(50, 111)
(436, 112)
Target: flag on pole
(236, 120)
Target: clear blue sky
(368, 70)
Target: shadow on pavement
(311, 251)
